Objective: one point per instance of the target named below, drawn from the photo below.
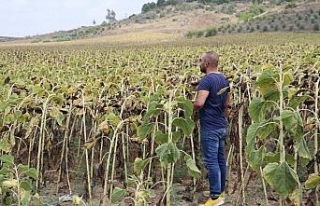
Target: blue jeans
(213, 148)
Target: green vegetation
(307, 20)
(254, 10)
(199, 33)
(245, 17)
(113, 121)
(16, 181)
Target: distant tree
(111, 16)
(94, 22)
(173, 2)
(161, 2)
(148, 7)
(204, 1)
(291, 28)
(265, 28)
(213, 1)
(257, 1)
(104, 23)
(210, 32)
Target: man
(212, 103)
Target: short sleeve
(204, 84)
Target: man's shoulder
(204, 78)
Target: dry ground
(254, 194)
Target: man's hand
(195, 116)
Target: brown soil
(254, 194)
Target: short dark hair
(212, 58)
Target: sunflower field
(112, 123)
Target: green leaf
(275, 157)
(17, 114)
(187, 125)
(26, 185)
(281, 178)
(30, 172)
(272, 95)
(255, 158)
(57, 115)
(25, 197)
(144, 130)
(154, 108)
(291, 92)
(39, 91)
(7, 159)
(6, 169)
(313, 181)
(151, 113)
(5, 144)
(293, 123)
(295, 101)
(168, 153)
(176, 136)
(251, 134)
(192, 167)
(58, 99)
(303, 149)
(22, 168)
(258, 109)
(113, 119)
(160, 138)
(287, 78)
(4, 105)
(266, 129)
(9, 119)
(118, 195)
(186, 105)
(261, 130)
(267, 82)
(139, 165)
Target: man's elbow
(197, 106)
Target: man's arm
(200, 100)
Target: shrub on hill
(210, 32)
(195, 34)
(254, 10)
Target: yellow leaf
(104, 127)
(90, 143)
(76, 200)
(10, 183)
(291, 92)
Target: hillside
(195, 19)
(5, 38)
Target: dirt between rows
(254, 195)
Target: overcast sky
(21, 18)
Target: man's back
(212, 114)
